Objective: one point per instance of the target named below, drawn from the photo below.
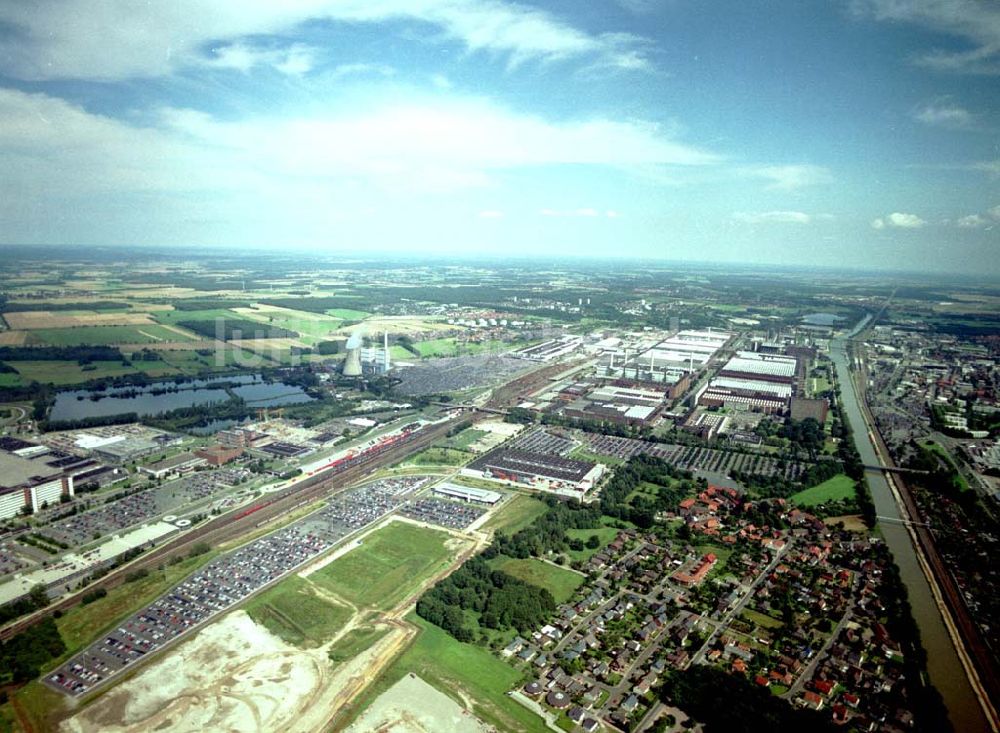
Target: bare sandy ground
(13, 338)
(413, 706)
(234, 676)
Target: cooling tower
(352, 364)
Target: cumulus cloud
(62, 162)
(972, 221)
(790, 177)
(296, 60)
(121, 39)
(772, 217)
(944, 115)
(898, 220)
(976, 22)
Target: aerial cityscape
(477, 365)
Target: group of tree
(673, 485)
(79, 354)
(547, 533)
(24, 655)
(747, 708)
(501, 600)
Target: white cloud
(790, 177)
(977, 22)
(995, 212)
(944, 115)
(191, 171)
(972, 221)
(296, 60)
(898, 220)
(772, 217)
(120, 39)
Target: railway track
(238, 522)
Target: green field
(459, 670)
(582, 454)
(170, 318)
(761, 619)
(604, 534)
(70, 372)
(464, 439)
(833, 489)
(354, 642)
(81, 624)
(939, 450)
(440, 457)
(388, 567)
(10, 379)
(347, 314)
(293, 611)
(561, 583)
(107, 335)
(516, 514)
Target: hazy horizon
(860, 133)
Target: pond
(165, 396)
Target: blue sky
(858, 132)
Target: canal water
(943, 664)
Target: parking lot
(443, 513)
(127, 511)
(542, 440)
(228, 580)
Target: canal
(943, 664)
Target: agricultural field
(388, 566)
(833, 489)
(70, 372)
(30, 320)
(560, 582)
(465, 672)
(347, 314)
(109, 335)
(294, 612)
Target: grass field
(354, 642)
(107, 335)
(604, 534)
(10, 379)
(559, 582)
(69, 372)
(81, 624)
(460, 671)
(833, 489)
(938, 450)
(295, 613)
(516, 514)
(388, 566)
(582, 454)
(761, 619)
(347, 314)
(440, 457)
(464, 439)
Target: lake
(153, 399)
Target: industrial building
(219, 455)
(467, 493)
(179, 464)
(761, 367)
(549, 350)
(539, 470)
(121, 449)
(29, 482)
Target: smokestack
(385, 346)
